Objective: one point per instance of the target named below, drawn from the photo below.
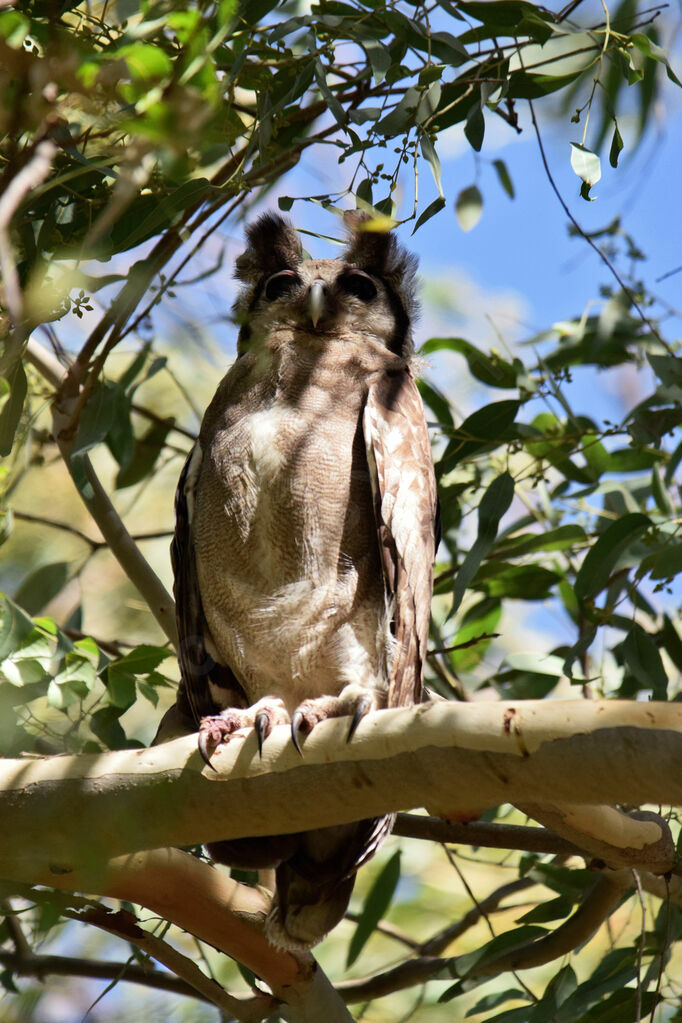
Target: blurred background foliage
(135, 138)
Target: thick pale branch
(457, 759)
(209, 904)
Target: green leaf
(522, 582)
(377, 902)
(143, 659)
(587, 166)
(105, 725)
(40, 586)
(616, 146)
(501, 17)
(469, 207)
(474, 128)
(145, 60)
(436, 401)
(482, 430)
(97, 418)
(145, 453)
(496, 998)
(643, 660)
(434, 207)
(431, 156)
(379, 58)
(78, 674)
(15, 627)
(15, 388)
(489, 369)
(6, 976)
(559, 539)
(480, 620)
(555, 909)
(650, 49)
(120, 685)
(603, 557)
(671, 642)
(494, 503)
(499, 946)
(14, 28)
(504, 177)
(336, 109)
(149, 215)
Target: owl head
(369, 292)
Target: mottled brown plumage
(306, 529)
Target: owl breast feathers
(306, 531)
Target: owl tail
(304, 910)
(314, 885)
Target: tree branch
(492, 836)
(43, 966)
(28, 178)
(457, 758)
(218, 910)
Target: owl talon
(263, 728)
(362, 707)
(297, 723)
(203, 745)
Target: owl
(306, 525)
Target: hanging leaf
(494, 503)
(603, 557)
(616, 146)
(587, 166)
(377, 902)
(469, 207)
(504, 177)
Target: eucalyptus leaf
(469, 207)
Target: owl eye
(359, 284)
(280, 284)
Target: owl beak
(316, 301)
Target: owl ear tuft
(380, 253)
(272, 245)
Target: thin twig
(65, 526)
(124, 925)
(15, 931)
(440, 941)
(42, 966)
(590, 241)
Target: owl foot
(263, 716)
(354, 700)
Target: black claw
(362, 707)
(203, 749)
(262, 724)
(296, 722)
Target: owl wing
(199, 671)
(406, 511)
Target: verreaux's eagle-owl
(305, 536)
